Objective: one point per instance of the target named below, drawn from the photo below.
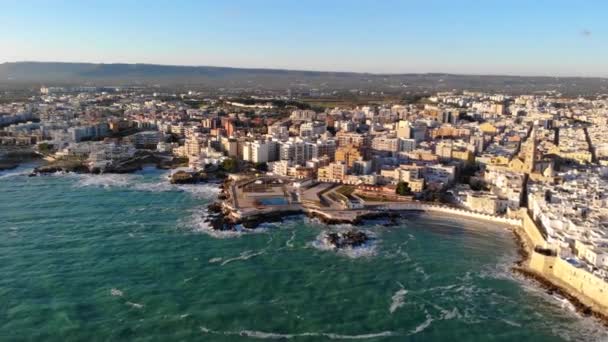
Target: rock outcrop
(185, 177)
(351, 238)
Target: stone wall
(581, 280)
(584, 283)
(530, 228)
(453, 211)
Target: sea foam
(282, 336)
(398, 300)
(139, 183)
(422, 326)
(369, 249)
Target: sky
(518, 37)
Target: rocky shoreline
(184, 177)
(222, 220)
(551, 288)
(125, 166)
(349, 239)
(12, 159)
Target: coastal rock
(351, 238)
(184, 177)
(61, 167)
(13, 158)
(215, 208)
(6, 165)
(218, 218)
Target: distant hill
(120, 74)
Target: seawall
(588, 292)
(418, 206)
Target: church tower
(530, 153)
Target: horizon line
(302, 70)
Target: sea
(131, 258)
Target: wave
(21, 170)
(105, 180)
(277, 336)
(442, 290)
(289, 243)
(200, 191)
(197, 222)
(586, 329)
(451, 314)
(511, 323)
(116, 292)
(419, 269)
(154, 187)
(246, 255)
(422, 326)
(400, 254)
(138, 182)
(398, 300)
(314, 221)
(12, 173)
(135, 305)
(446, 314)
(369, 249)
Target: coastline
(582, 304)
(525, 245)
(525, 232)
(12, 159)
(300, 243)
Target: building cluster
(574, 215)
(490, 153)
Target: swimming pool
(273, 201)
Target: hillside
(120, 74)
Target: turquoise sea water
(129, 258)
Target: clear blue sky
(526, 37)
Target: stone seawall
(452, 211)
(531, 229)
(584, 282)
(588, 290)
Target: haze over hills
(123, 74)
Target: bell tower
(530, 152)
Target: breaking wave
(422, 326)
(246, 255)
(369, 249)
(197, 222)
(419, 269)
(104, 180)
(289, 243)
(135, 305)
(116, 292)
(139, 183)
(14, 173)
(277, 336)
(398, 300)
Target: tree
(403, 189)
(45, 148)
(262, 167)
(230, 165)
